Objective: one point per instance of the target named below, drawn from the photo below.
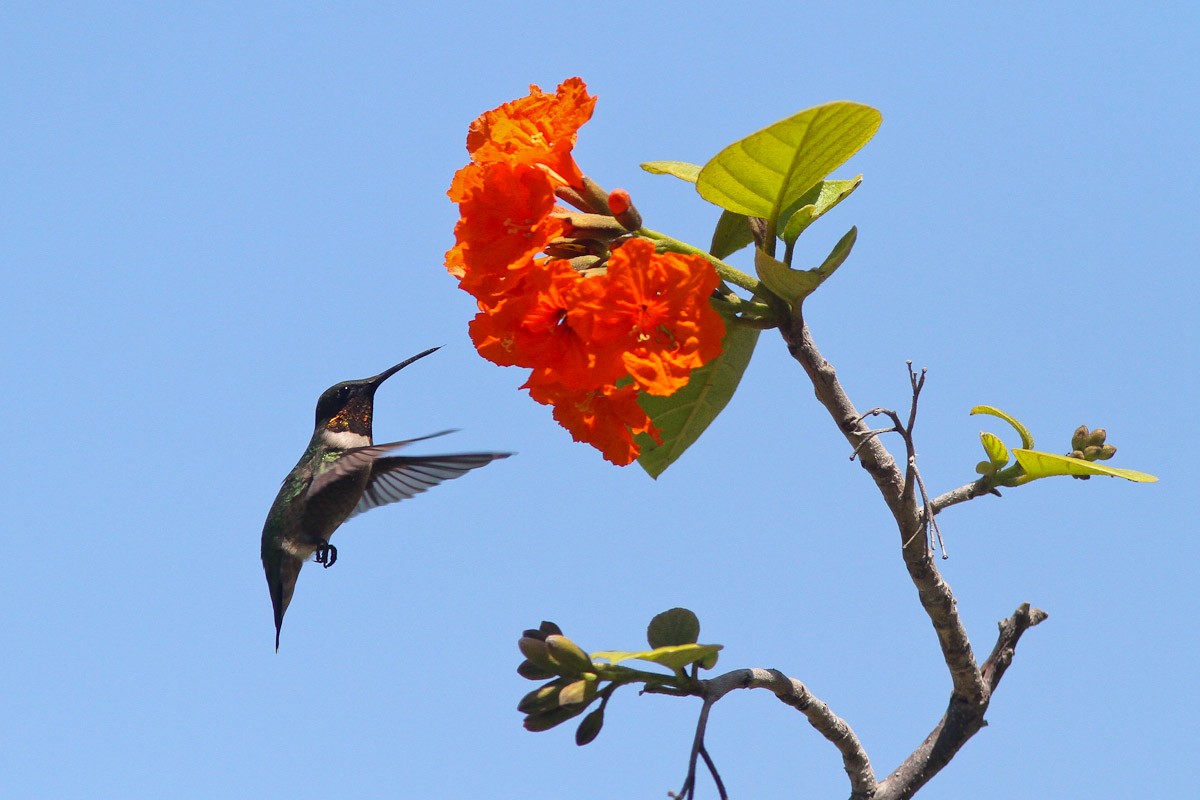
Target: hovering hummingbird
(341, 474)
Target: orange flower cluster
(640, 321)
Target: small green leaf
(793, 285)
(680, 169)
(997, 453)
(685, 415)
(673, 657)
(767, 171)
(1044, 465)
(731, 234)
(676, 626)
(814, 203)
(1026, 436)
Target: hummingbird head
(344, 410)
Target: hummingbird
(344, 473)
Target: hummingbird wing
(358, 458)
(397, 478)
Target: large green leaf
(680, 169)
(683, 416)
(767, 171)
(1044, 465)
(793, 285)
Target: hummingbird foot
(325, 555)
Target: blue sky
(212, 212)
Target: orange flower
(543, 324)
(661, 302)
(538, 129)
(505, 222)
(646, 316)
(607, 418)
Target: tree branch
(972, 686)
(961, 721)
(900, 495)
(796, 694)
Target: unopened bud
(1107, 451)
(1097, 437)
(1076, 454)
(579, 692)
(623, 209)
(1091, 452)
(544, 698)
(570, 657)
(589, 729)
(1079, 438)
(532, 672)
(537, 652)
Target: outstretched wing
(359, 458)
(397, 478)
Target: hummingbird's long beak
(387, 373)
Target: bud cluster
(1090, 446)
(572, 686)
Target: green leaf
(1026, 436)
(767, 171)
(997, 453)
(680, 169)
(676, 626)
(674, 657)
(685, 415)
(1044, 465)
(793, 285)
(815, 202)
(731, 234)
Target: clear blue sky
(212, 212)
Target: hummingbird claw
(325, 555)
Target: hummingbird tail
(282, 571)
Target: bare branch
(796, 694)
(960, 495)
(961, 721)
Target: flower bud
(1097, 437)
(543, 698)
(589, 729)
(1107, 451)
(623, 209)
(537, 652)
(570, 657)
(1079, 438)
(532, 672)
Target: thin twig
(712, 770)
